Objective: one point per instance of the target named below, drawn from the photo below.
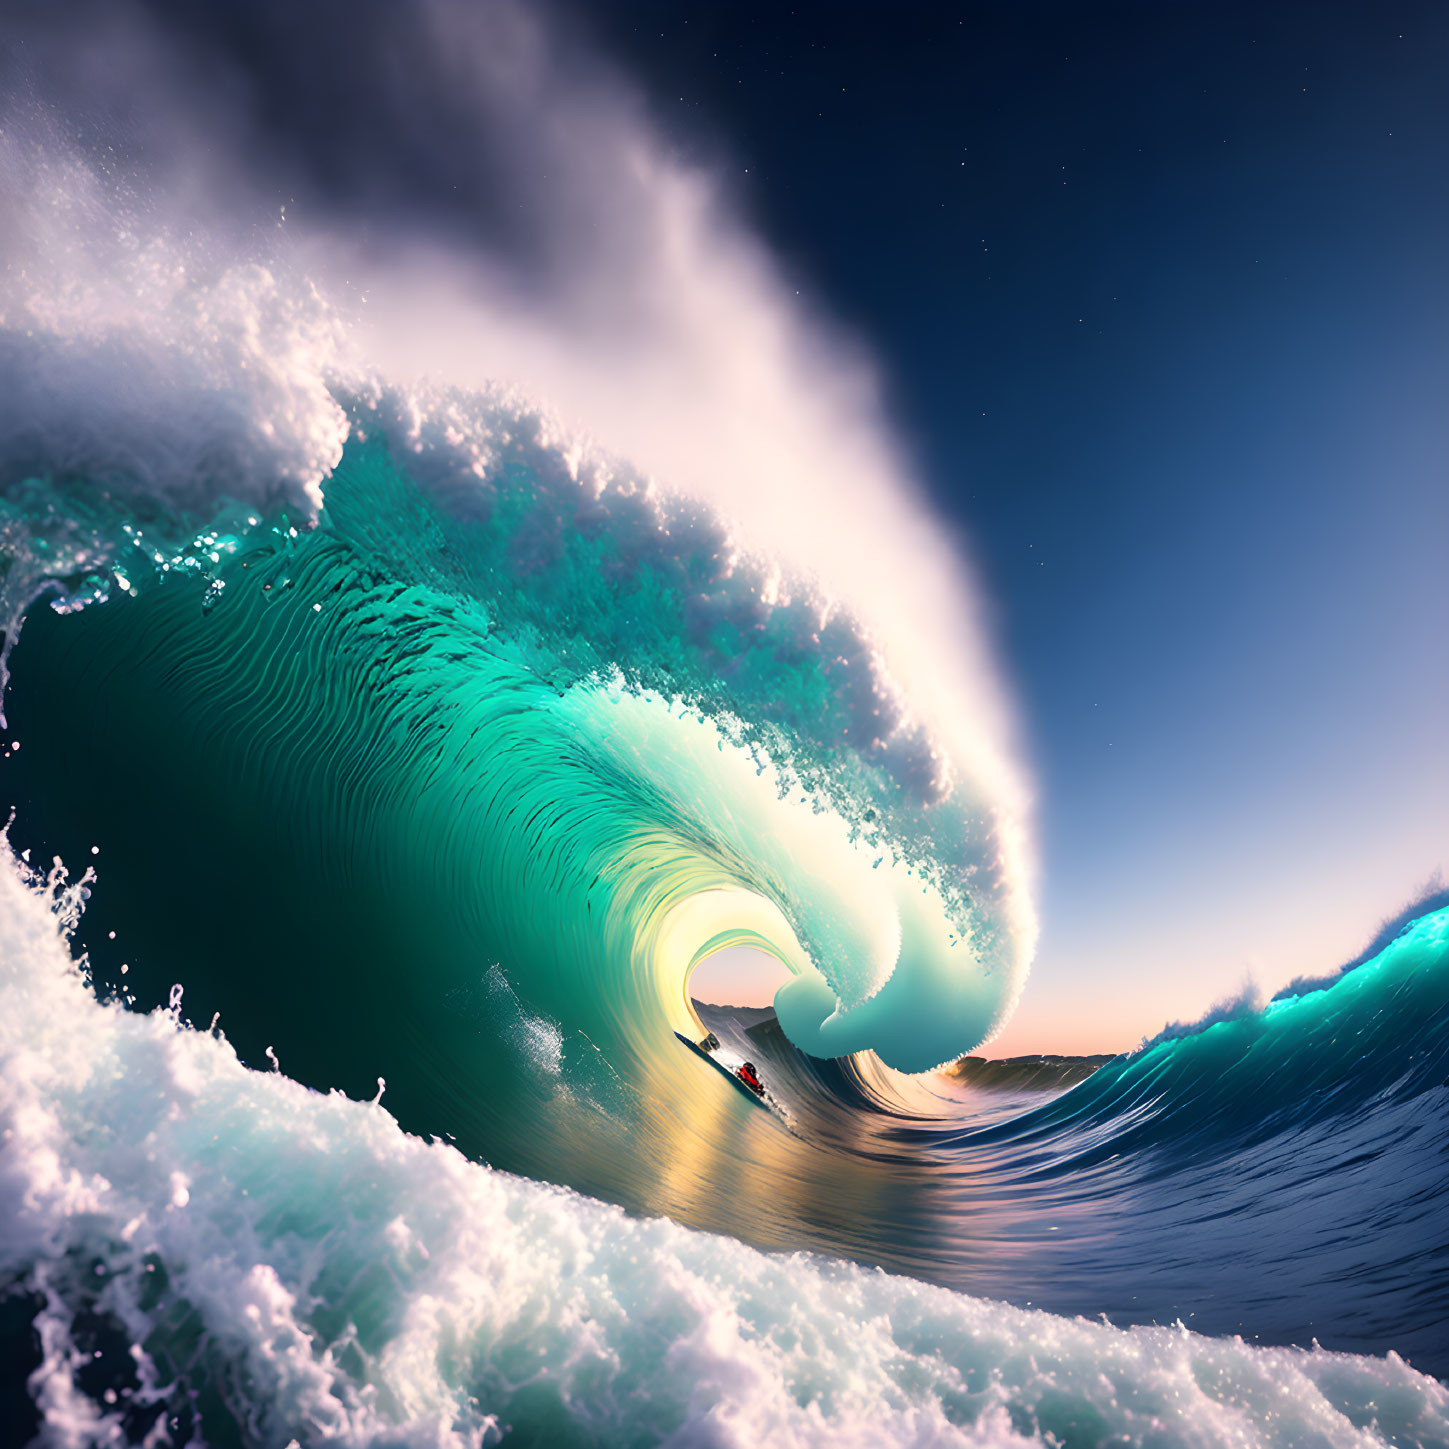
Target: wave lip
(227, 1249)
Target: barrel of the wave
(877, 960)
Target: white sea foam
(145, 357)
(535, 1038)
(298, 1264)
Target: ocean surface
(364, 842)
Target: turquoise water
(409, 823)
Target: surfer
(744, 1076)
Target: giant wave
(574, 732)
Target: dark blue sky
(1161, 295)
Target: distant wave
(1378, 1032)
(1431, 897)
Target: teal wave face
(562, 722)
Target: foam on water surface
(220, 1255)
